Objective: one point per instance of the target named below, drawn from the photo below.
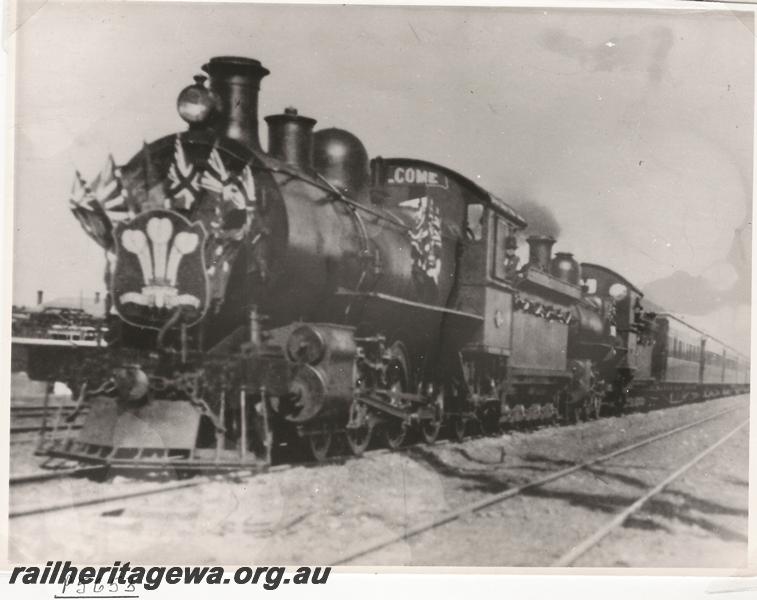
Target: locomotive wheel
(359, 435)
(598, 407)
(394, 432)
(490, 420)
(458, 429)
(594, 407)
(320, 444)
(576, 411)
(430, 429)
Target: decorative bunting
(425, 237)
(543, 311)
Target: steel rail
(455, 514)
(147, 491)
(588, 543)
(54, 474)
(22, 411)
(38, 428)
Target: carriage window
(475, 222)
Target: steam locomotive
(308, 295)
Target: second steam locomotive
(305, 295)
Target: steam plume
(540, 219)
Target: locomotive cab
(513, 362)
(627, 326)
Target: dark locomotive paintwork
(235, 82)
(344, 296)
(290, 138)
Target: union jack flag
(183, 180)
(110, 193)
(237, 192)
(90, 214)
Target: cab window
(475, 222)
(506, 262)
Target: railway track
(152, 489)
(38, 409)
(39, 476)
(472, 507)
(21, 429)
(578, 550)
(105, 498)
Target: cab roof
(614, 274)
(484, 196)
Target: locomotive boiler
(263, 301)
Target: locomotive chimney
(236, 81)
(40, 296)
(540, 251)
(290, 138)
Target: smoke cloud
(540, 219)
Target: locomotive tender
(258, 300)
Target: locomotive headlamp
(195, 102)
(618, 291)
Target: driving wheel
(320, 444)
(430, 429)
(359, 428)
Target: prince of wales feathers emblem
(160, 267)
(157, 254)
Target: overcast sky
(633, 127)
